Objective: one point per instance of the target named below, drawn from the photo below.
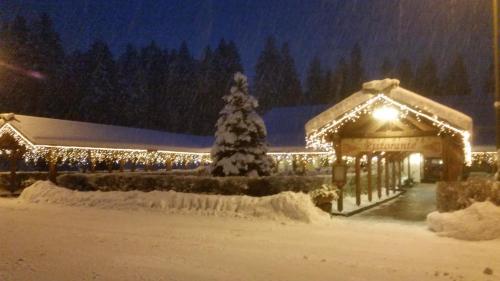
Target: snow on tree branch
(240, 139)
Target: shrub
(453, 196)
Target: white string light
(317, 139)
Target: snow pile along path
(480, 221)
(286, 205)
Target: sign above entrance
(429, 146)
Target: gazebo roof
(390, 88)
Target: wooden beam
(13, 169)
(386, 174)
(369, 170)
(336, 143)
(379, 176)
(358, 179)
(393, 170)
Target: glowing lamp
(386, 113)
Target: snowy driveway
(47, 242)
(413, 206)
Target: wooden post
(400, 172)
(133, 165)
(109, 165)
(168, 165)
(379, 176)
(358, 179)
(386, 173)
(409, 168)
(13, 169)
(453, 158)
(52, 161)
(393, 172)
(369, 169)
(91, 162)
(338, 155)
(122, 165)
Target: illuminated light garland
(74, 155)
(316, 139)
(80, 155)
(489, 158)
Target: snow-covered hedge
(284, 206)
(254, 186)
(453, 196)
(23, 179)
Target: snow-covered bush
(240, 139)
(253, 186)
(284, 206)
(23, 179)
(325, 194)
(479, 221)
(453, 196)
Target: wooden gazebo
(386, 122)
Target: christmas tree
(240, 139)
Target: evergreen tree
(240, 140)
(100, 101)
(290, 92)
(16, 83)
(328, 94)
(204, 105)
(356, 72)
(72, 88)
(47, 58)
(404, 73)
(427, 82)
(154, 88)
(131, 81)
(456, 81)
(182, 87)
(314, 81)
(489, 82)
(225, 62)
(267, 75)
(386, 68)
(340, 80)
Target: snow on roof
(57, 132)
(285, 125)
(390, 88)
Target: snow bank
(480, 221)
(286, 205)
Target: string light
(75, 155)
(317, 139)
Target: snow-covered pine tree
(240, 138)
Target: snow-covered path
(413, 206)
(47, 242)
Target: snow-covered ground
(56, 242)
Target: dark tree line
(324, 86)
(149, 87)
(169, 89)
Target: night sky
(327, 28)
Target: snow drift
(283, 206)
(480, 221)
